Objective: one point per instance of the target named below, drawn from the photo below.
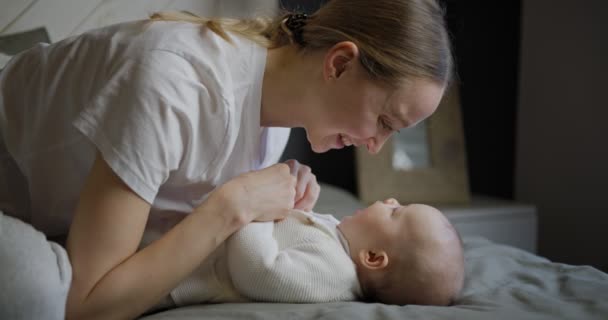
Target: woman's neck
(286, 89)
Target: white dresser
(498, 220)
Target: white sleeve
(308, 272)
(146, 121)
(275, 145)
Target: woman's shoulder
(224, 67)
(194, 42)
(187, 50)
(198, 44)
(188, 71)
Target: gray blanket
(502, 283)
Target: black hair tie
(295, 23)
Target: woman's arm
(110, 278)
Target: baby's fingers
(308, 201)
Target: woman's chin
(333, 142)
(319, 148)
(316, 149)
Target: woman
(153, 141)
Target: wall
(487, 65)
(562, 152)
(63, 18)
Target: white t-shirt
(173, 108)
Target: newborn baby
(385, 253)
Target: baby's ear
(373, 259)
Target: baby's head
(405, 254)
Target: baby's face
(386, 222)
(387, 231)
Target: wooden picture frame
(443, 181)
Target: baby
(385, 253)
(405, 254)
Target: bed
(502, 282)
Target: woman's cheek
(365, 128)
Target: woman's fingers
(296, 171)
(304, 179)
(262, 195)
(285, 190)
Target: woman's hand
(307, 188)
(262, 195)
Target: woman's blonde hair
(397, 39)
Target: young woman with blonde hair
(151, 142)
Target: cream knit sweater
(298, 260)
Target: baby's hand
(307, 187)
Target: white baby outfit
(302, 259)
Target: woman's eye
(385, 124)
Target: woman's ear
(373, 259)
(338, 58)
